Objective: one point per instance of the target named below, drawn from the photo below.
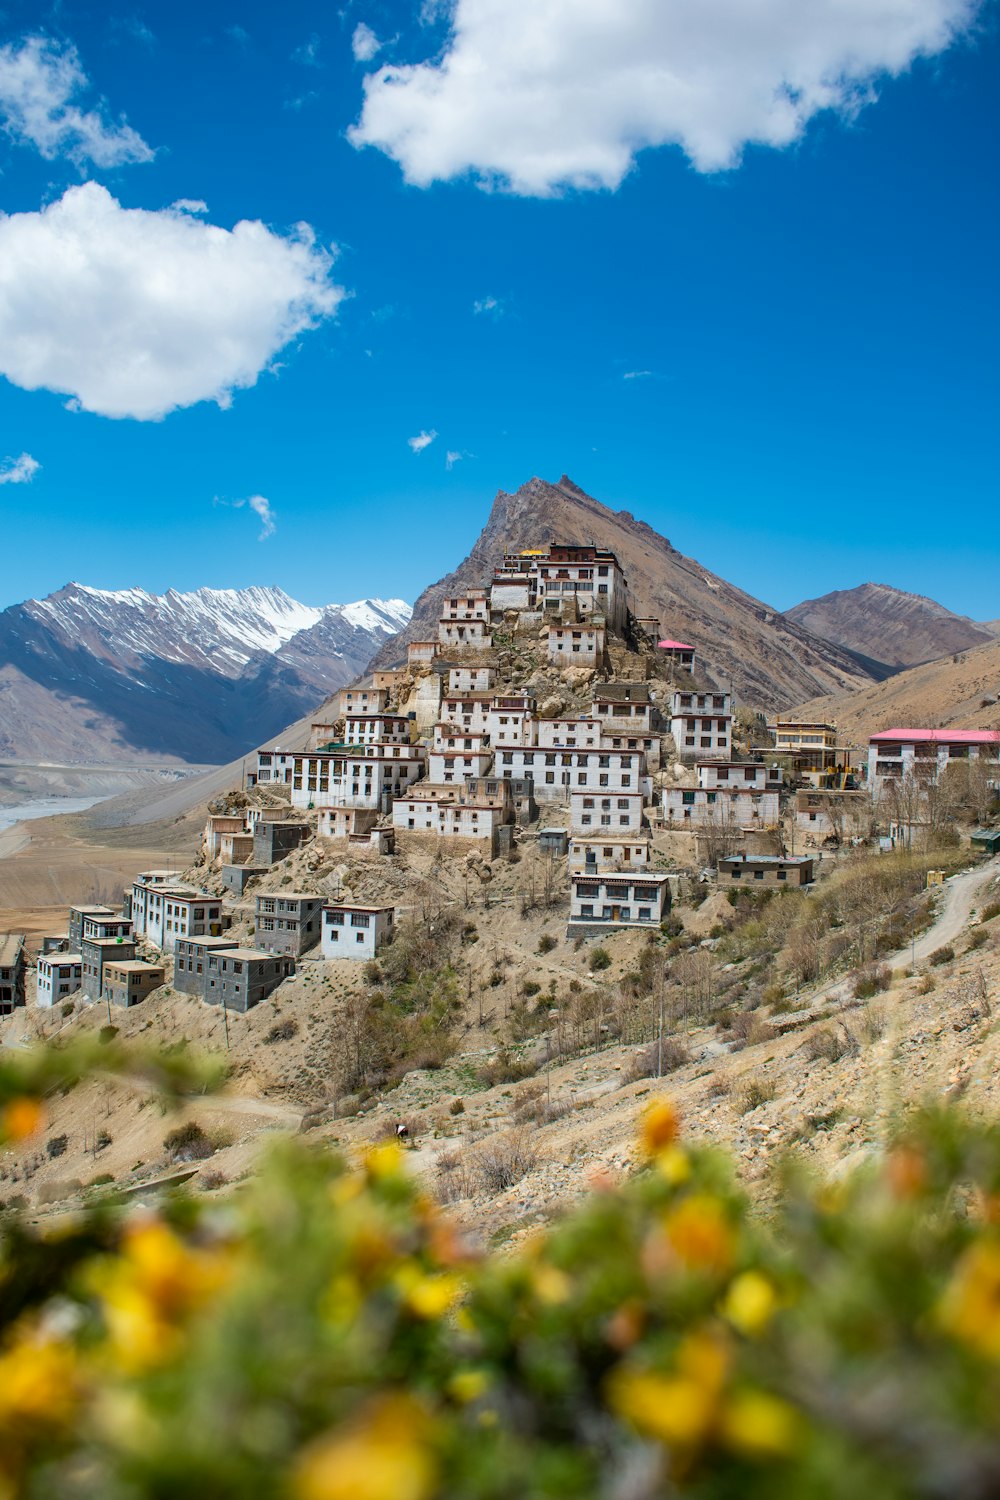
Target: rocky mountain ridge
(770, 660)
(198, 678)
(892, 628)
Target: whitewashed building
(356, 932)
(623, 707)
(926, 753)
(470, 711)
(569, 734)
(731, 775)
(346, 822)
(701, 723)
(448, 817)
(58, 975)
(575, 645)
(609, 851)
(622, 813)
(471, 680)
(471, 634)
(618, 899)
(376, 728)
(736, 807)
(355, 775)
(173, 912)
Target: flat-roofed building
(288, 921)
(558, 773)
(102, 925)
(240, 978)
(569, 734)
(737, 806)
(12, 967)
(766, 869)
(610, 852)
(471, 634)
(608, 900)
(622, 813)
(356, 932)
(368, 775)
(730, 775)
(822, 816)
(76, 920)
(191, 961)
(471, 680)
(376, 728)
(926, 753)
(810, 746)
(127, 982)
(361, 698)
(57, 976)
(701, 723)
(175, 911)
(575, 644)
(449, 818)
(346, 822)
(95, 953)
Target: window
(645, 914)
(336, 918)
(587, 911)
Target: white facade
(473, 633)
(419, 652)
(511, 725)
(651, 745)
(510, 593)
(471, 712)
(575, 645)
(569, 734)
(699, 727)
(618, 814)
(557, 773)
(587, 576)
(447, 817)
(618, 900)
(926, 753)
(444, 766)
(371, 729)
(58, 975)
(622, 715)
(361, 700)
(179, 911)
(731, 775)
(345, 822)
(471, 679)
(470, 605)
(144, 910)
(362, 776)
(610, 851)
(698, 808)
(356, 932)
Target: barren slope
(960, 692)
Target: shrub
(546, 943)
(600, 958)
(942, 956)
(103, 1140)
(925, 985)
(651, 1062)
(101, 1180)
(530, 988)
(502, 1161)
(67, 1008)
(187, 1143)
(107, 1034)
(282, 1031)
(56, 1146)
(989, 911)
(977, 937)
(871, 981)
(874, 1021)
(212, 1180)
(506, 1068)
(831, 1043)
(747, 1030)
(456, 1107)
(751, 1093)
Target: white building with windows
(367, 775)
(511, 721)
(926, 753)
(357, 932)
(376, 728)
(559, 773)
(58, 975)
(696, 807)
(622, 813)
(575, 645)
(701, 723)
(609, 851)
(469, 711)
(471, 680)
(569, 734)
(448, 817)
(612, 899)
(174, 912)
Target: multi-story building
(104, 925)
(926, 753)
(837, 815)
(469, 711)
(624, 707)
(471, 680)
(811, 747)
(737, 807)
(346, 822)
(11, 971)
(58, 976)
(128, 981)
(622, 813)
(219, 825)
(439, 813)
(701, 723)
(609, 851)
(589, 577)
(240, 978)
(732, 775)
(369, 775)
(557, 773)
(569, 734)
(471, 634)
(361, 698)
(422, 653)
(95, 953)
(191, 962)
(77, 915)
(376, 728)
(274, 840)
(679, 653)
(511, 720)
(356, 932)
(287, 921)
(173, 911)
(608, 900)
(138, 901)
(575, 645)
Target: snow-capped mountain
(96, 674)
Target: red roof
(674, 646)
(939, 736)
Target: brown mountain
(894, 629)
(771, 661)
(961, 691)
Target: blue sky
(763, 320)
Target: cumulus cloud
(39, 84)
(133, 313)
(422, 440)
(364, 43)
(19, 470)
(539, 95)
(190, 206)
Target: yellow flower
(679, 1409)
(550, 1285)
(21, 1118)
(660, 1126)
(750, 1302)
(468, 1385)
(970, 1307)
(385, 1456)
(39, 1383)
(760, 1426)
(428, 1297)
(673, 1164)
(700, 1234)
(383, 1162)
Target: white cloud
(19, 470)
(539, 95)
(39, 80)
(308, 53)
(490, 304)
(364, 43)
(261, 509)
(190, 206)
(452, 457)
(134, 313)
(637, 375)
(422, 440)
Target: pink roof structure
(674, 646)
(938, 736)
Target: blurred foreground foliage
(327, 1333)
